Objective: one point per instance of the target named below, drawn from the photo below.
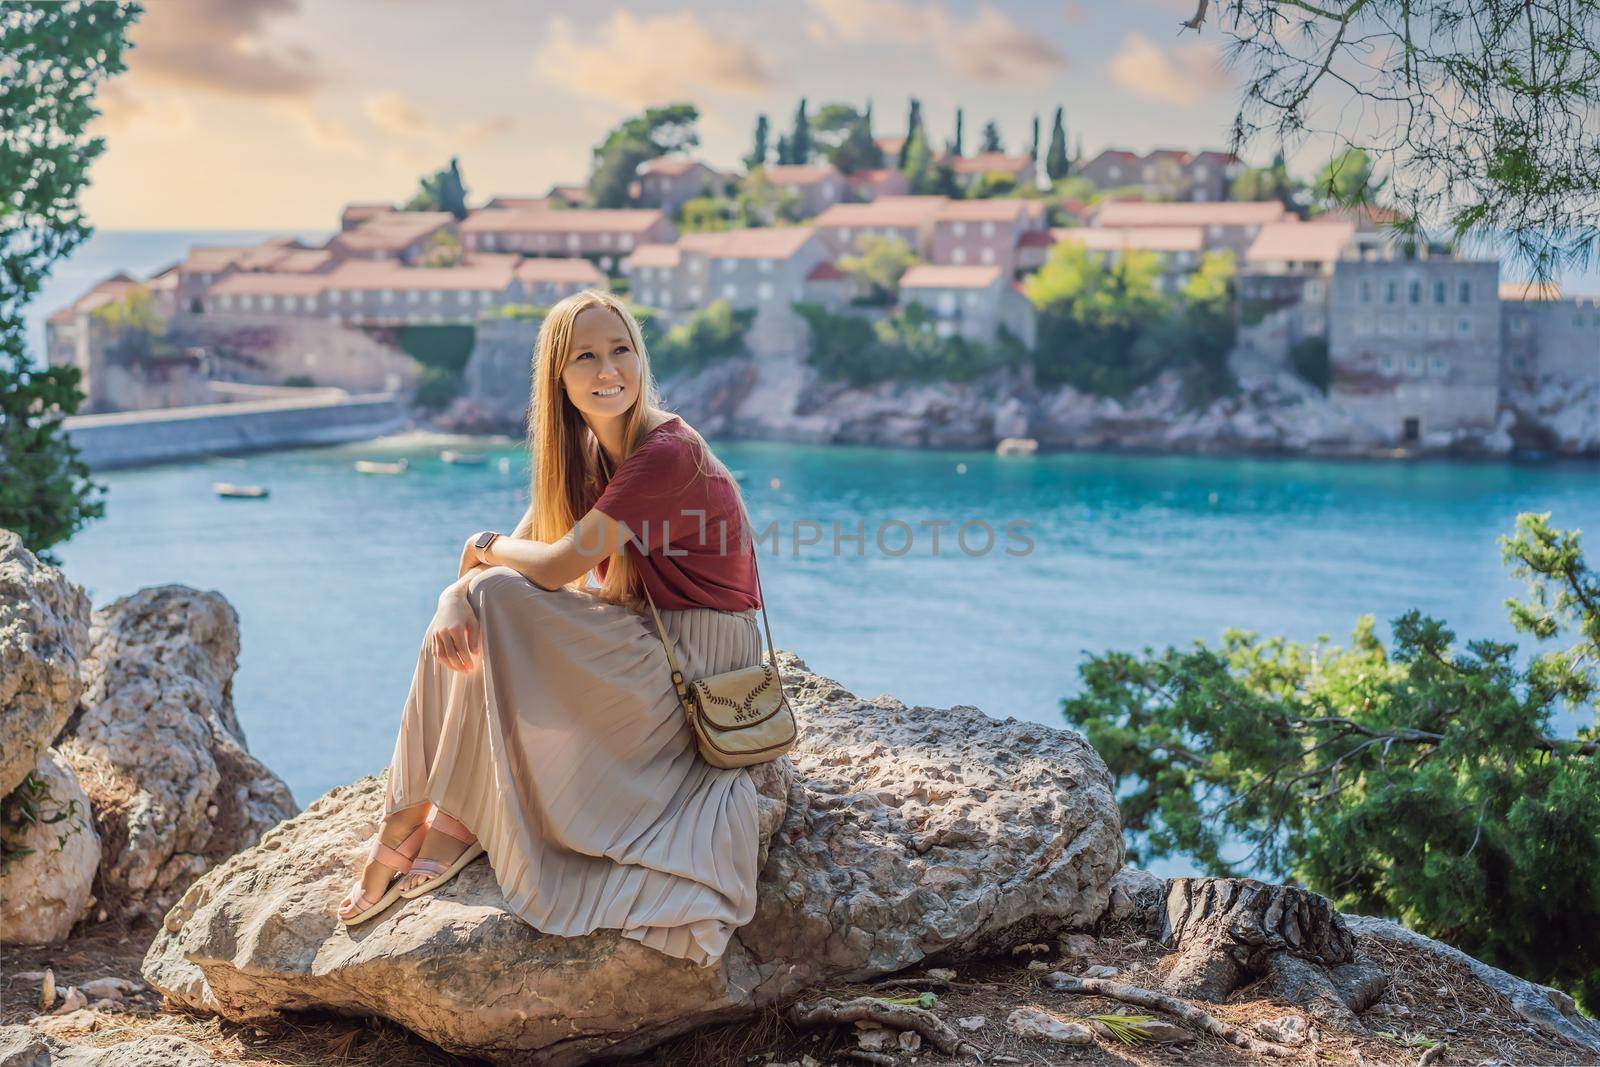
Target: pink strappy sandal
(453, 827)
(397, 860)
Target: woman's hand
(453, 635)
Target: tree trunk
(1228, 931)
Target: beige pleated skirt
(566, 752)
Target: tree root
(1149, 998)
(933, 1029)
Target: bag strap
(678, 681)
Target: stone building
(1414, 345)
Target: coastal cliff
(1274, 411)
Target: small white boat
(470, 459)
(1016, 446)
(374, 466)
(229, 489)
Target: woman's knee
(492, 583)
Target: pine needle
(1129, 1029)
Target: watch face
(485, 538)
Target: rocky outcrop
(47, 871)
(1547, 1008)
(22, 1046)
(1558, 416)
(159, 748)
(891, 835)
(44, 632)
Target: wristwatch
(484, 540)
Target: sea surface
(335, 575)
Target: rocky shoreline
(1275, 412)
(938, 885)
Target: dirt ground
(1433, 1002)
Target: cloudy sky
(275, 113)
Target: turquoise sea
(335, 575)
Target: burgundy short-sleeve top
(696, 552)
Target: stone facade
(1415, 345)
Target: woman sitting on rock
(542, 727)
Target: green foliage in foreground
(901, 347)
(1426, 781)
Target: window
(1464, 326)
(844, 233)
(766, 265)
(1313, 290)
(1389, 292)
(730, 291)
(988, 229)
(694, 294)
(958, 255)
(1114, 171)
(1436, 364)
(944, 329)
(605, 240)
(1412, 363)
(626, 241)
(572, 241)
(972, 300)
(987, 255)
(1388, 362)
(416, 296)
(947, 303)
(435, 296)
(959, 229)
(334, 296)
(1466, 292)
(1366, 291)
(1364, 326)
(764, 291)
(1438, 326)
(1414, 292)
(1438, 292)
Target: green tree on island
(1430, 781)
(56, 56)
(878, 267)
(659, 131)
(441, 191)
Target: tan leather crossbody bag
(738, 717)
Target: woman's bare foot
(375, 877)
(439, 847)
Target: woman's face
(602, 372)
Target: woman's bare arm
(469, 560)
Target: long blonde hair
(566, 476)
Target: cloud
(396, 116)
(989, 48)
(1184, 75)
(121, 110)
(638, 61)
(221, 45)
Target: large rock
(44, 632)
(159, 749)
(897, 835)
(47, 872)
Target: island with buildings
(1340, 338)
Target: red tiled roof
(1116, 154)
(826, 272)
(1189, 213)
(884, 211)
(389, 274)
(1176, 154)
(988, 161)
(656, 255)
(394, 230)
(1133, 238)
(557, 269)
(938, 276)
(569, 220)
(800, 173)
(763, 242)
(1280, 242)
(1036, 239)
